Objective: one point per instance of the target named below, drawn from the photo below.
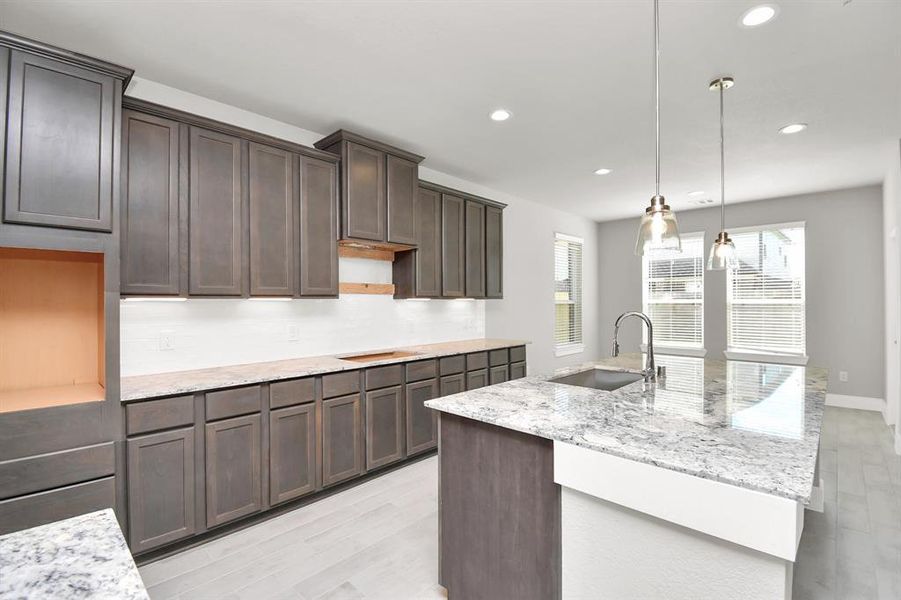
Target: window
(765, 293)
(567, 294)
(673, 296)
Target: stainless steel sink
(599, 379)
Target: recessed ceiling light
(500, 114)
(603, 171)
(793, 128)
(758, 15)
(696, 193)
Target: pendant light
(722, 252)
(658, 230)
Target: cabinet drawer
(423, 369)
(45, 507)
(451, 365)
(379, 377)
(231, 403)
(518, 354)
(476, 361)
(340, 384)
(159, 414)
(47, 471)
(498, 357)
(289, 393)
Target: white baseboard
(897, 439)
(858, 402)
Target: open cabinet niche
(51, 328)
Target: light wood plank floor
(379, 540)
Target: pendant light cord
(657, 94)
(722, 164)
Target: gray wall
(844, 263)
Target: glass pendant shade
(722, 253)
(658, 231)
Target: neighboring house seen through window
(567, 294)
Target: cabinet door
(216, 211)
(384, 427)
(149, 238)
(270, 185)
(342, 439)
(497, 374)
(292, 452)
(233, 485)
(494, 252)
(453, 384)
(364, 202)
(475, 249)
(428, 242)
(476, 379)
(160, 488)
(403, 187)
(517, 370)
(453, 248)
(318, 227)
(422, 422)
(60, 144)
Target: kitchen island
(691, 487)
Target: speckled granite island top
(82, 557)
(140, 387)
(752, 425)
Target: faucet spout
(651, 372)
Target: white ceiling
(576, 74)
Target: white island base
(633, 530)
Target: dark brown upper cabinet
(62, 137)
(270, 184)
(318, 227)
(403, 188)
(494, 252)
(216, 214)
(378, 187)
(475, 249)
(149, 235)
(417, 273)
(453, 246)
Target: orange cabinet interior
(51, 328)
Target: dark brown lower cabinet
(452, 384)
(517, 370)
(384, 426)
(497, 374)
(233, 484)
(160, 488)
(476, 379)
(292, 452)
(342, 439)
(422, 422)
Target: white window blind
(567, 294)
(765, 293)
(673, 295)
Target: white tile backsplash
(218, 332)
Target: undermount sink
(372, 357)
(599, 379)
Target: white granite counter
(182, 382)
(753, 425)
(82, 557)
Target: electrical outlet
(293, 333)
(843, 376)
(165, 341)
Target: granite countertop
(140, 387)
(752, 425)
(82, 557)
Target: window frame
(574, 347)
(675, 349)
(767, 356)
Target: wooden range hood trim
(385, 289)
(371, 250)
